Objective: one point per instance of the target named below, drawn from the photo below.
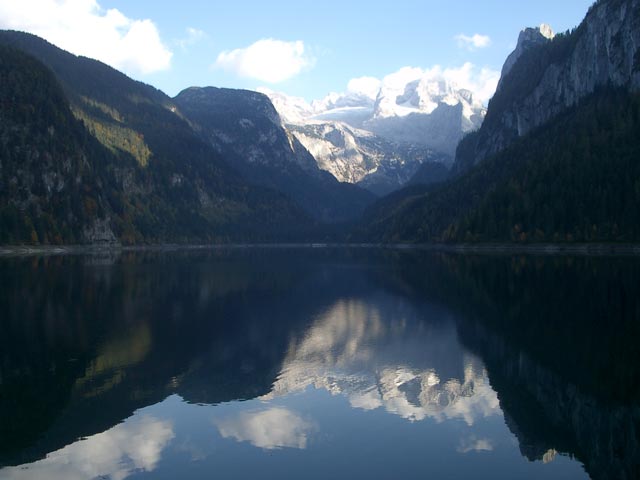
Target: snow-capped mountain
(430, 110)
(352, 108)
(378, 133)
(292, 110)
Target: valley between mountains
(90, 156)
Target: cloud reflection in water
(130, 447)
(269, 429)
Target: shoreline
(589, 249)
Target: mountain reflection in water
(499, 367)
(384, 354)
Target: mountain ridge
(379, 140)
(244, 127)
(568, 172)
(552, 76)
(169, 197)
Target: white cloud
(481, 81)
(84, 28)
(399, 79)
(267, 60)
(269, 429)
(131, 447)
(193, 36)
(368, 86)
(472, 42)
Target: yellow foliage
(115, 137)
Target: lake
(319, 363)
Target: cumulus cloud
(368, 86)
(193, 36)
(267, 60)
(84, 28)
(481, 81)
(472, 42)
(273, 428)
(400, 78)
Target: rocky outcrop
(555, 75)
(529, 38)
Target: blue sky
(317, 46)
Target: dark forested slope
(575, 179)
(157, 180)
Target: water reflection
(384, 353)
(134, 446)
(272, 428)
(474, 444)
(484, 364)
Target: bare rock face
(553, 74)
(363, 158)
(528, 38)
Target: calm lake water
(319, 363)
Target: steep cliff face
(528, 38)
(555, 75)
(361, 157)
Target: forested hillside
(575, 179)
(123, 167)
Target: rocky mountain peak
(528, 38)
(539, 83)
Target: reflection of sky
(133, 446)
(474, 444)
(269, 429)
(382, 358)
(401, 365)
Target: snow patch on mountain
(378, 132)
(291, 109)
(431, 107)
